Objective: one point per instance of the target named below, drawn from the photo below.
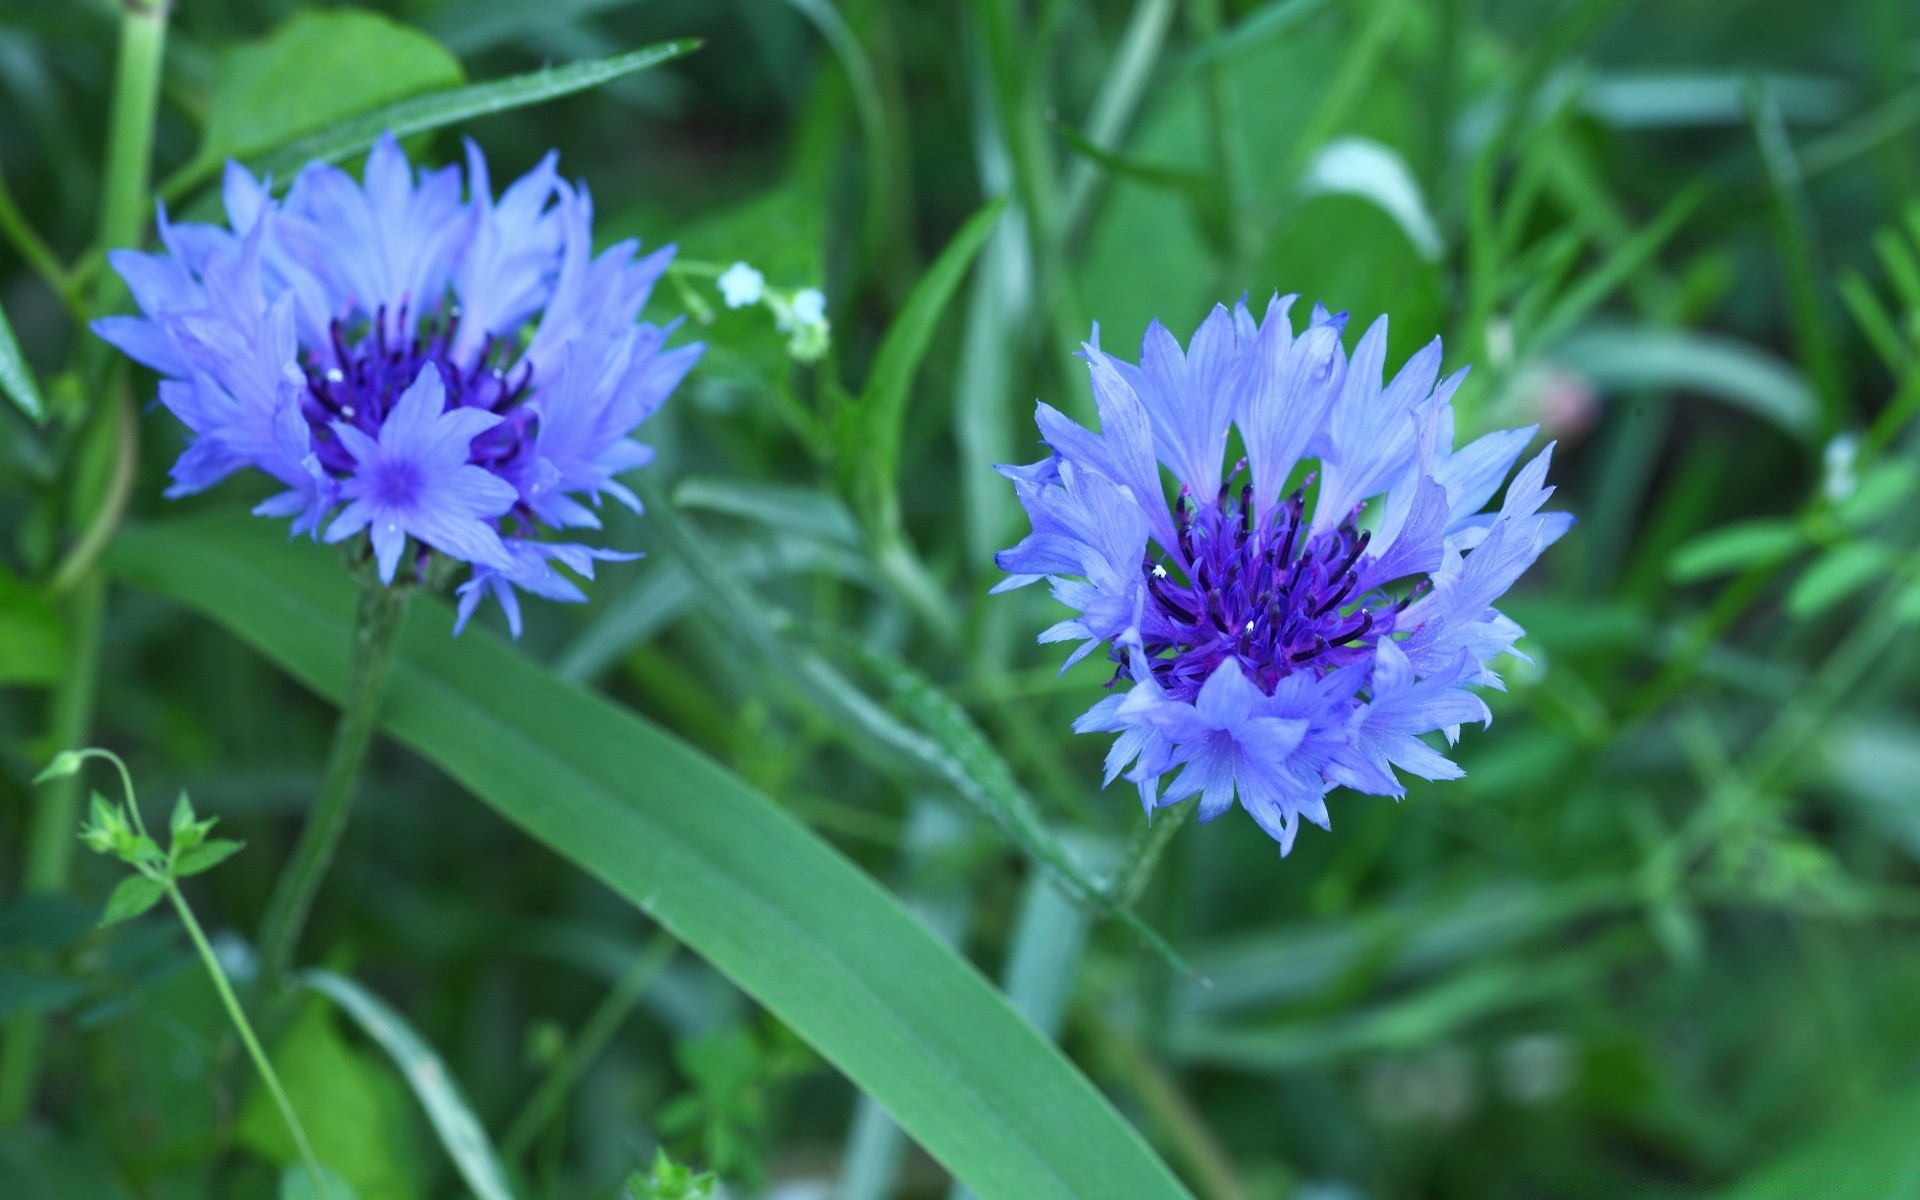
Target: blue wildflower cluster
(411, 358)
(1277, 646)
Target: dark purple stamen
(370, 362)
(1268, 592)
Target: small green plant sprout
(668, 1180)
(120, 831)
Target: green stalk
(126, 196)
(1143, 851)
(593, 1037)
(248, 1038)
(378, 621)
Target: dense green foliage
(744, 861)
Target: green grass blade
(870, 440)
(969, 762)
(420, 114)
(16, 378)
(447, 1108)
(1619, 265)
(793, 923)
(945, 745)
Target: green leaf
(874, 732)
(870, 432)
(1620, 264)
(36, 991)
(205, 857)
(791, 921)
(423, 113)
(316, 69)
(182, 818)
(460, 1131)
(797, 510)
(1882, 488)
(355, 1112)
(1736, 547)
(1870, 1154)
(1376, 173)
(135, 895)
(33, 638)
(296, 1183)
(968, 761)
(1628, 357)
(16, 378)
(1835, 575)
(665, 591)
(420, 114)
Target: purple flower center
(1279, 599)
(393, 484)
(369, 363)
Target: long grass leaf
(792, 922)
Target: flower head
(412, 357)
(1278, 647)
(741, 285)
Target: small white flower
(809, 307)
(1839, 481)
(804, 320)
(741, 285)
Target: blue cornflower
(1276, 648)
(412, 358)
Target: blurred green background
(1660, 941)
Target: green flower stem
(248, 1038)
(378, 622)
(128, 195)
(604, 1022)
(1143, 851)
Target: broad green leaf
(355, 1112)
(16, 378)
(460, 1131)
(135, 895)
(1869, 1154)
(420, 114)
(793, 923)
(296, 1183)
(968, 764)
(316, 69)
(206, 856)
(1736, 547)
(1835, 575)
